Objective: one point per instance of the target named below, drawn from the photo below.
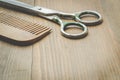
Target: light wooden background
(96, 57)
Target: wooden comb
(19, 31)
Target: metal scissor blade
(45, 12)
(14, 4)
(40, 11)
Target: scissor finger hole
(90, 18)
(74, 30)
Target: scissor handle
(99, 20)
(81, 26)
(66, 25)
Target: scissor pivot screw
(40, 9)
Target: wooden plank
(111, 9)
(92, 58)
(95, 57)
(15, 61)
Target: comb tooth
(19, 31)
(30, 28)
(7, 19)
(40, 31)
(15, 22)
(23, 23)
(37, 28)
(27, 27)
(41, 28)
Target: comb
(19, 31)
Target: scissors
(57, 16)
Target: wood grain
(95, 57)
(15, 61)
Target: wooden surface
(96, 57)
